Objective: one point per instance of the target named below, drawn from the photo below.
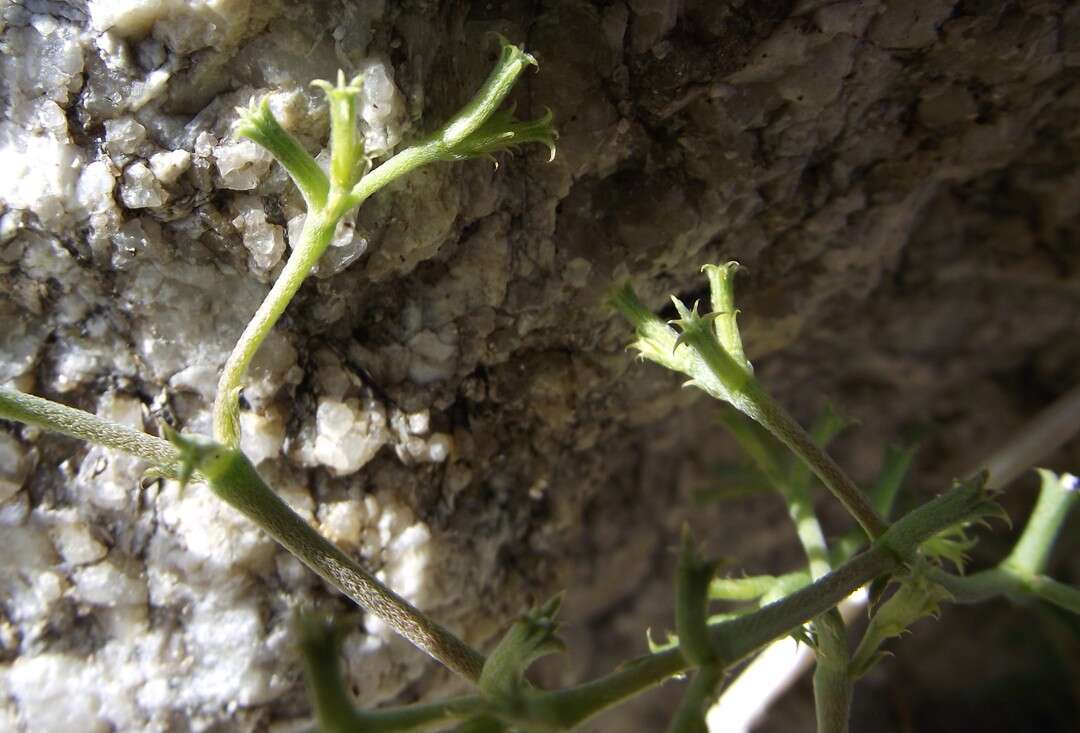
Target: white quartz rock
(381, 107)
(261, 436)
(40, 172)
(12, 466)
(123, 136)
(105, 584)
(264, 241)
(348, 435)
(141, 189)
(170, 165)
(94, 190)
(43, 686)
(241, 164)
(72, 539)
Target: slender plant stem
(999, 581)
(235, 480)
(737, 638)
(397, 166)
(833, 686)
(240, 486)
(1020, 575)
(792, 484)
(316, 236)
(319, 643)
(787, 430)
(318, 232)
(238, 483)
(734, 639)
(1057, 495)
(808, 528)
(91, 428)
(832, 683)
(1037, 438)
(1054, 591)
(690, 715)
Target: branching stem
(238, 484)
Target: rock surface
(449, 399)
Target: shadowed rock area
(449, 397)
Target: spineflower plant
(480, 129)
(706, 642)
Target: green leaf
(258, 124)
(722, 287)
(512, 62)
(502, 131)
(347, 160)
(917, 597)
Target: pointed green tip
(256, 122)
(188, 450)
(511, 52)
(340, 89)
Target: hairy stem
(833, 686)
(237, 483)
(317, 233)
(778, 422)
(59, 418)
(1020, 575)
(735, 639)
(235, 480)
(320, 646)
(690, 716)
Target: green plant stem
(999, 581)
(240, 486)
(808, 528)
(236, 481)
(317, 234)
(1031, 553)
(1020, 575)
(833, 686)
(320, 646)
(735, 639)
(420, 717)
(792, 485)
(832, 683)
(59, 418)
(690, 715)
(767, 412)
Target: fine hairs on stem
(907, 554)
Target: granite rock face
(449, 398)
